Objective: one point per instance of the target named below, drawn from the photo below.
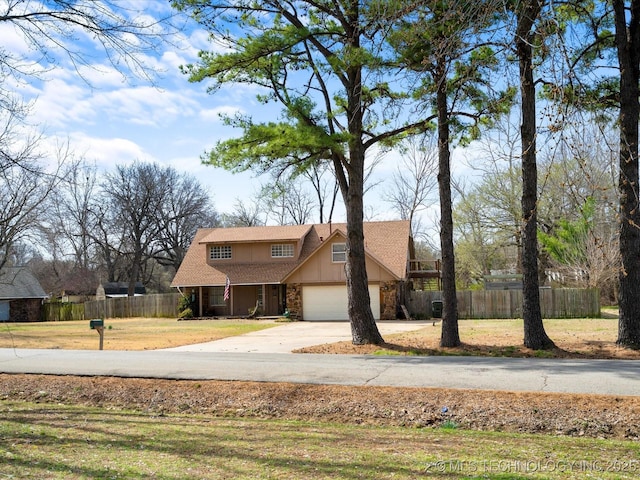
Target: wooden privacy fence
(61, 312)
(156, 305)
(554, 303)
(153, 306)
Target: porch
(241, 300)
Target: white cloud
(106, 152)
(213, 114)
(99, 76)
(12, 40)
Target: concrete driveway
(290, 336)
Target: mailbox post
(97, 324)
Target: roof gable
(386, 243)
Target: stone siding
(388, 300)
(294, 300)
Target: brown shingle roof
(256, 234)
(387, 242)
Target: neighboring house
(21, 296)
(121, 289)
(78, 285)
(299, 269)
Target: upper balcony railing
(424, 268)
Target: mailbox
(96, 323)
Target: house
(21, 295)
(120, 289)
(299, 269)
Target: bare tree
(56, 32)
(153, 214)
(287, 202)
(25, 185)
(110, 241)
(69, 221)
(247, 213)
(414, 180)
(186, 207)
(326, 188)
(137, 193)
(125, 33)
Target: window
(282, 250)
(216, 297)
(218, 252)
(338, 252)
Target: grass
(71, 442)
(124, 333)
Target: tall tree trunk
(628, 45)
(363, 325)
(535, 335)
(135, 273)
(449, 336)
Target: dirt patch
(560, 414)
(599, 350)
(594, 339)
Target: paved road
(542, 375)
(264, 356)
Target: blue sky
(111, 120)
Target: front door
(273, 299)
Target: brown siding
(253, 253)
(321, 269)
(244, 299)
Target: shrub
(184, 308)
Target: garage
(329, 302)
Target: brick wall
(25, 310)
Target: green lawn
(71, 442)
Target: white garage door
(324, 303)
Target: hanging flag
(227, 290)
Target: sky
(111, 120)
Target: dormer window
(338, 252)
(220, 252)
(282, 250)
